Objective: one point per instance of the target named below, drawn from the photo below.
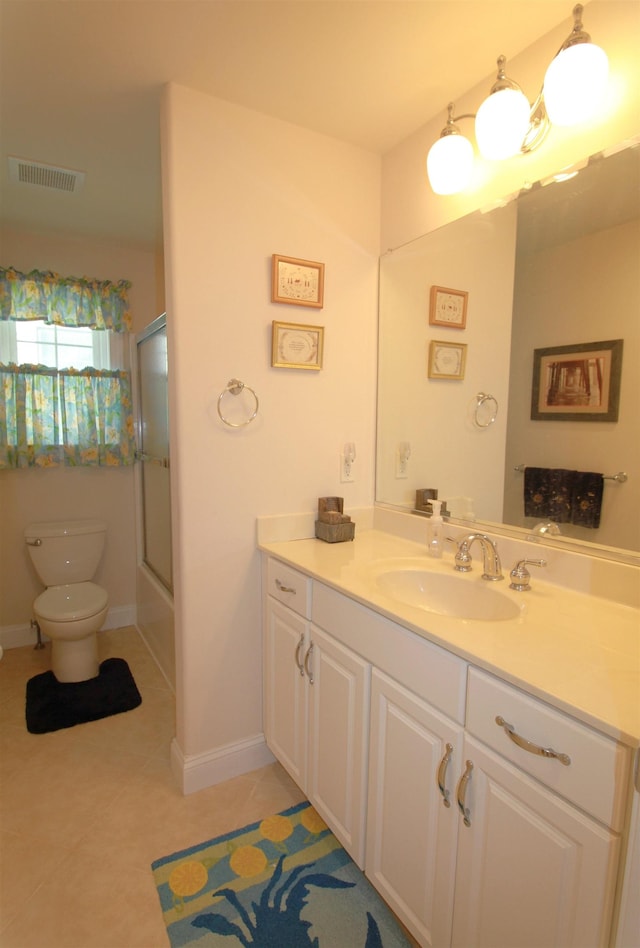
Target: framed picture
(296, 347)
(446, 360)
(577, 383)
(448, 307)
(300, 282)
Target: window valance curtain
(94, 426)
(65, 301)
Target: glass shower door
(153, 453)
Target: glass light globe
(575, 83)
(449, 164)
(501, 123)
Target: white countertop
(579, 652)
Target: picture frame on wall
(448, 307)
(577, 382)
(295, 346)
(447, 360)
(298, 282)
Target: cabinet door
(628, 934)
(339, 686)
(532, 870)
(412, 824)
(285, 704)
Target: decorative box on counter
(332, 525)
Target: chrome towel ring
(486, 400)
(234, 387)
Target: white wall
(238, 187)
(75, 493)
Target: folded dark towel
(547, 493)
(586, 499)
(563, 496)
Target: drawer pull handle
(462, 793)
(307, 659)
(284, 589)
(522, 742)
(298, 650)
(442, 771)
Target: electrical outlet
(401, 468)
(346, 470)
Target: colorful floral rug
(282, 883)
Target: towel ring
(482, 399)
(234, 387)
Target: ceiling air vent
(24, 171)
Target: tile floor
(85, 811)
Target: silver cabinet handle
(307, 659)
(462, 793)
(37, 542)
(442, 770)
(522, 742)
(284, 589)
(298, 650)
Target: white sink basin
(447, 595)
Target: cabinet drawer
(595, 776)
(429, 671)
(289, 586)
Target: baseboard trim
(119, 617)
(205, 770)
(16, 636)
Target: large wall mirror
(557, 266)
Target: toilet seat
(70, 603)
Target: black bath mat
(53, 705)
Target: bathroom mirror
(555, 266)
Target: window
(64, 347)
(65, 388)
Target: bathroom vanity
(480, 771)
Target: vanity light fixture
(503, 118)
(450, 158)
(576, 79)
(507, 125)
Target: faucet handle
(462, 558)
(520, 575)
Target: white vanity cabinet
(493, 820)
(316, 708)
(532, 870)
(412, 826)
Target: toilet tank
(66, 551)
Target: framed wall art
(446, 360)
(448, 307)
(300, 282)
(577, 383)
(294, 346)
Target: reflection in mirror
(557, 267)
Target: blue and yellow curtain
(64, 301)
(51, 417)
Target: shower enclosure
(155, 575)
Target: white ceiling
(80, 83)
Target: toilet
(72, 609)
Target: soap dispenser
(435, 534)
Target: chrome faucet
(492, 569)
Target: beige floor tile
(26, 863)
(90, 903)
(85, 811)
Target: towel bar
(620, 477)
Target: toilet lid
(75, 601)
